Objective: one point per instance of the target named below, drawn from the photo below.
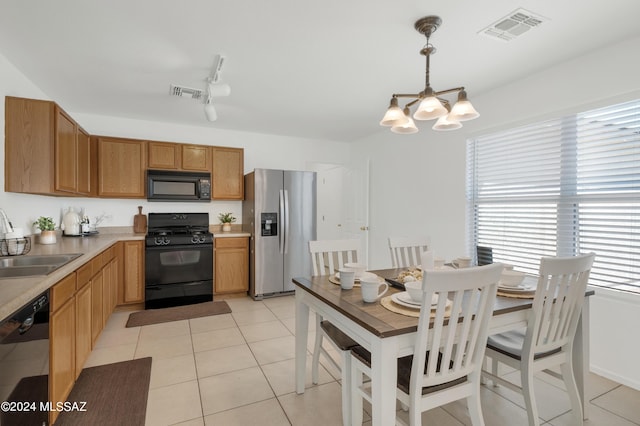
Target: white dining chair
(327, 256)
(446, 363)
(548, 338)
(406, 251)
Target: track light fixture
(430, 103)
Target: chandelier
(430, 103)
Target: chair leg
(494, 370)
(529, 396)
(475, 408)
(356, 397)
(316, 350)
(415, 413)
(346, 387)
(572, 390)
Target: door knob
(364, 228)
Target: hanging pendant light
(430, 102)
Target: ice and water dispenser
(269, 224)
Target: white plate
(522, 288)
(405, 300)
(364, 275)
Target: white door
(343, 202)
(355, 222)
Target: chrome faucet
(6, 224)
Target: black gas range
(178, 260)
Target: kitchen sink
(26, 266)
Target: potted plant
(226, 219)
(47, 227)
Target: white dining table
(388, 335)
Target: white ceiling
(318, 69)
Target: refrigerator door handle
(282, 219)
(286, 221)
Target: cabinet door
(66, 158)
(29, 130)
(164, 155)
(84, 163)
(62, 368)
(196, 157)
(96, 307)
(133, 279)
(83, 327)
(115, 265)
(106, 293)
(121, 168)
(231, 265)
(228, 174)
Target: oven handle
(181, 247)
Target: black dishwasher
(24, 364)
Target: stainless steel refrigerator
(280, 212)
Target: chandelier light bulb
(394, 115)
(463, 110)
(408, 127)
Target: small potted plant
(226, 219)
(47, 227)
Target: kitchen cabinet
(121, 167)
(83, 316)
(96, 307)
(231, 265)
(46, 151)
(177, 156)
(227, 176)
(131, 257)
(62, 329)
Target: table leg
(384, 370)
(302, 332)
(581, 356)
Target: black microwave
(166, 185)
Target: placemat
(527, 295)
(389, 304)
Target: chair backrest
(454, 331)
(327, 256)
(485, 255)
(557, 304)
(406, 251)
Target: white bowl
(358, 268)
(510, 278)
(414, 288)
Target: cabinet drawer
(96, 264)
(62, 291)
(83, 275)
(232, 242)
(107, 255)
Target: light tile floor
(238, 369)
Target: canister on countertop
(140, 222)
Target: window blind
(559, 188)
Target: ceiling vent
(185, 92)
(513, 25)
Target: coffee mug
(463, 262)
(370, 289)
(347, 277)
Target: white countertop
(16, 292)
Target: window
(561, 187)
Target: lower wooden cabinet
(62, 333)
(131, 258)
(231, 265)
(96, 307)
(83, 327)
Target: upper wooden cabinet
(228, 173)
(121, 167)
(46, 152)
(177, 156)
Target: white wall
(418, 181)
(260, 150)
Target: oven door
(178, 264)
(178, 275)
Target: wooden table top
(373, 316)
